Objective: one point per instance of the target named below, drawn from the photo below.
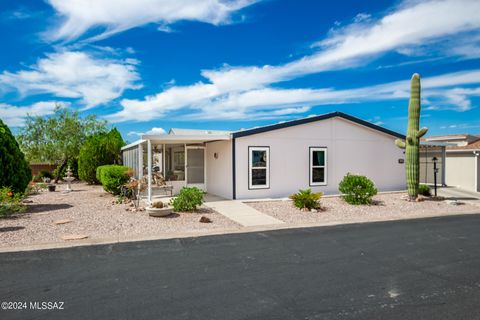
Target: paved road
(419, 269)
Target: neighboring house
(272, 161)
(462, 160)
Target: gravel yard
(89, 211)
(92, 213)
(388, 206)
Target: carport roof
(474, 146)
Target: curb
(96, 242)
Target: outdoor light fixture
(435, 171)
(215, 155)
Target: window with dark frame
(259, 158)
(318, 166)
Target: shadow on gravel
(9, 229)
(36, 208)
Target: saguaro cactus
(412, 143)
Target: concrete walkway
(240, 212)
(453, 193)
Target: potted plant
(159, 209)
(51, 187)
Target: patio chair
(159, 180)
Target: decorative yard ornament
(412, 143)
(69, 178)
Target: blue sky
(150, 65)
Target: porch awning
(174, 139)
(177, 139)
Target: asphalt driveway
(417, 269)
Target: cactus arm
(400, 143)
(421, 132)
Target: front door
(195, 167)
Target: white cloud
(115, 16)
(153, 131)
(134, 133)
(73, 74)
(406, 27)
(14, 116)
(240, 92)
(443, 91)
(462, 126)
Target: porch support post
(185, 168)
(149, 154)
(444, 165)
(477, 187)
(164, 167)
(140, 161)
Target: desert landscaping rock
(94, 215)
(388, 206)
(204, 219)
(74, 236)
(453, 202)
(63, 221)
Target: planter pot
(51, 188)
(159, 212)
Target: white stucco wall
(219, 171)
(351, 148)
(478, 174)
(460, 170)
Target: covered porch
(169, 162)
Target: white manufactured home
(271, 161)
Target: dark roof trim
(292, 123)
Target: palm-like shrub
(357, 189)
(14, 169)
(187, 200)
(306, 199)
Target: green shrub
(113, 177)
(306, 199)
(35, 187)
(14, 169)
(99, 149)
(98, 173)
(10, 202)
(44, 174)
(357, 189)
(187, 200)
(424, 190)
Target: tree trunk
(59, 171)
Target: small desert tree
(57, 138)
(14, 169)
(99, 149)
